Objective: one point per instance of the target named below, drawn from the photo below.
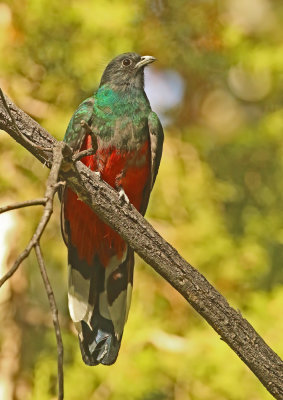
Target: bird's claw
(98, 174)
(123, 197)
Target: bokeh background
(218, 199)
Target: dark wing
(156, 138)
(156, 144)
(75, 132)
(74, 137)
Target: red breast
(89, 234)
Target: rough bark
(206, 300)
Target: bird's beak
(145, 60)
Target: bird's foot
(98, 174)
(123, 197)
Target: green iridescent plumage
(108, 110)
(75, 133)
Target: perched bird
(129, 144)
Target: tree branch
(125, 219)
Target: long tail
(99, 301)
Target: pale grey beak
(145, 60)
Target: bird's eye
(126, 62)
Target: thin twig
(16, 264)
(82, 154)
(89, 131)
(52, 186)
(54, 312)
(94, 145)
(28, 203)
(93, 140)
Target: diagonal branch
(206, 300)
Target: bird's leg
(118, 185)
(100, 164)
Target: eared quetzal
(129, 145)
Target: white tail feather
(78, 294)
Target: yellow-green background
(218, 197)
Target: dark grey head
(126, 71)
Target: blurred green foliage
(218, 197)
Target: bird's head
(126, 71)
